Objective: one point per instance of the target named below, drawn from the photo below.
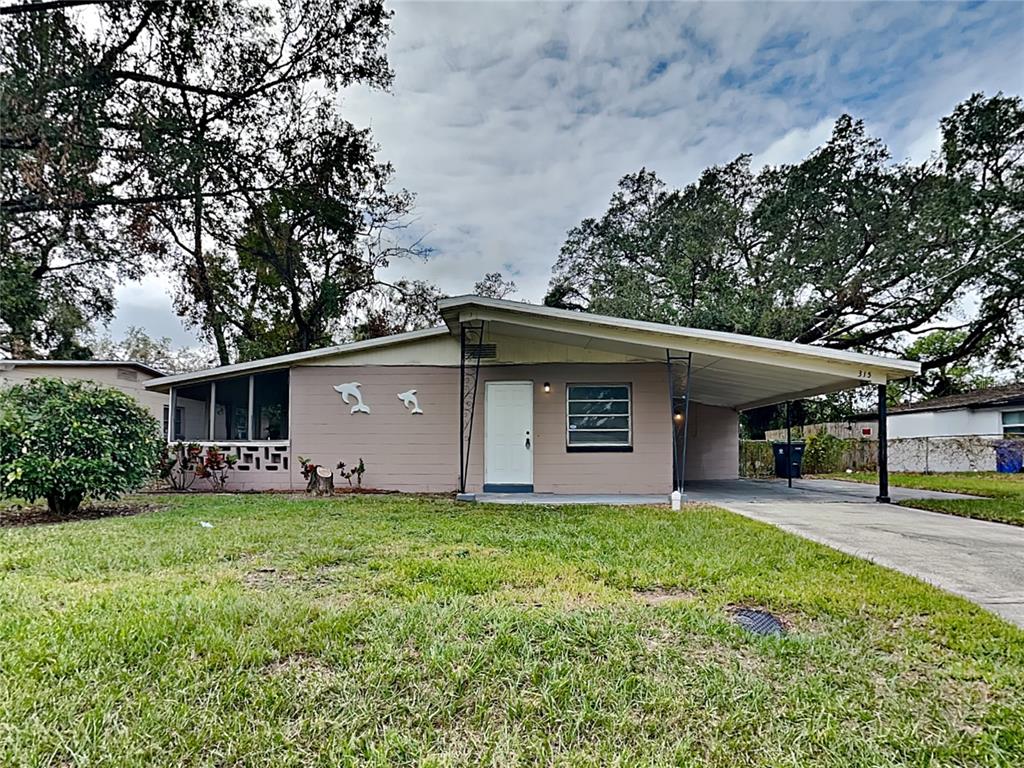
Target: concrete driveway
(981, 561)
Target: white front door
(508, 436)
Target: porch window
(270, 406)
(237, 409)
(231, 413)
(179, 419)
(598, 416)
(1013, 423)
(194, 402)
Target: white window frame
(179, 416)
(628, 414)
(1017, 430)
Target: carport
(711, 368)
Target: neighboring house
(128, 376)
(989, 412)
(508, 397)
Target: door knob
(527, 439)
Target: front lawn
(1005, 491)
(399, 631)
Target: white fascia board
(286, 361)
(853, 366)
(8, 365)
(895, 367)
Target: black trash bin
(785, 465)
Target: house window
(179, 417)
(1013, 423)
(598, 416)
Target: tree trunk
(214, 324)
(63, 504)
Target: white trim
(458, 308)
(249, 425)
(850, 366)
(7, 365)
(285, 361)
(170, 421)
(232, 443)
(211, 429)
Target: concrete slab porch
(562, 499)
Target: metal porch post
(678, 456)
(686, 423)
(883, 446)
(462, 400)
(672, 415)
(789, 447)
(468, 383)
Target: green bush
(756, 459)
(65, 441)
(823, 453)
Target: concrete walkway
(978, 560)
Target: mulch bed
(21, 516)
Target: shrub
(215, 466)
(356, 472)
(823, 453)
(178, 463)
(309, 468)
(65, 441)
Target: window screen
(598, 414)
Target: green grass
(398, 631)
(1005, 491)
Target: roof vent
(757, 622)
(127, 374)
(481, 351)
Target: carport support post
(883, 446)
(789, 448)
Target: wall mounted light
(678, 416)
(547, 386)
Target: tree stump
(324, 482)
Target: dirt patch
(21, 516)
(319, 588)
(664, 595)
(266, 578)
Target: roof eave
(875, 369)
(286, 361)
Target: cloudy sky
(513, 121)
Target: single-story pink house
(508, 397)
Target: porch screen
(598, 414)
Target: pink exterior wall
(402, 451)
(648, 469)
(420, 452)
(713, 443)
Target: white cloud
(795, 144)
(513, 121)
